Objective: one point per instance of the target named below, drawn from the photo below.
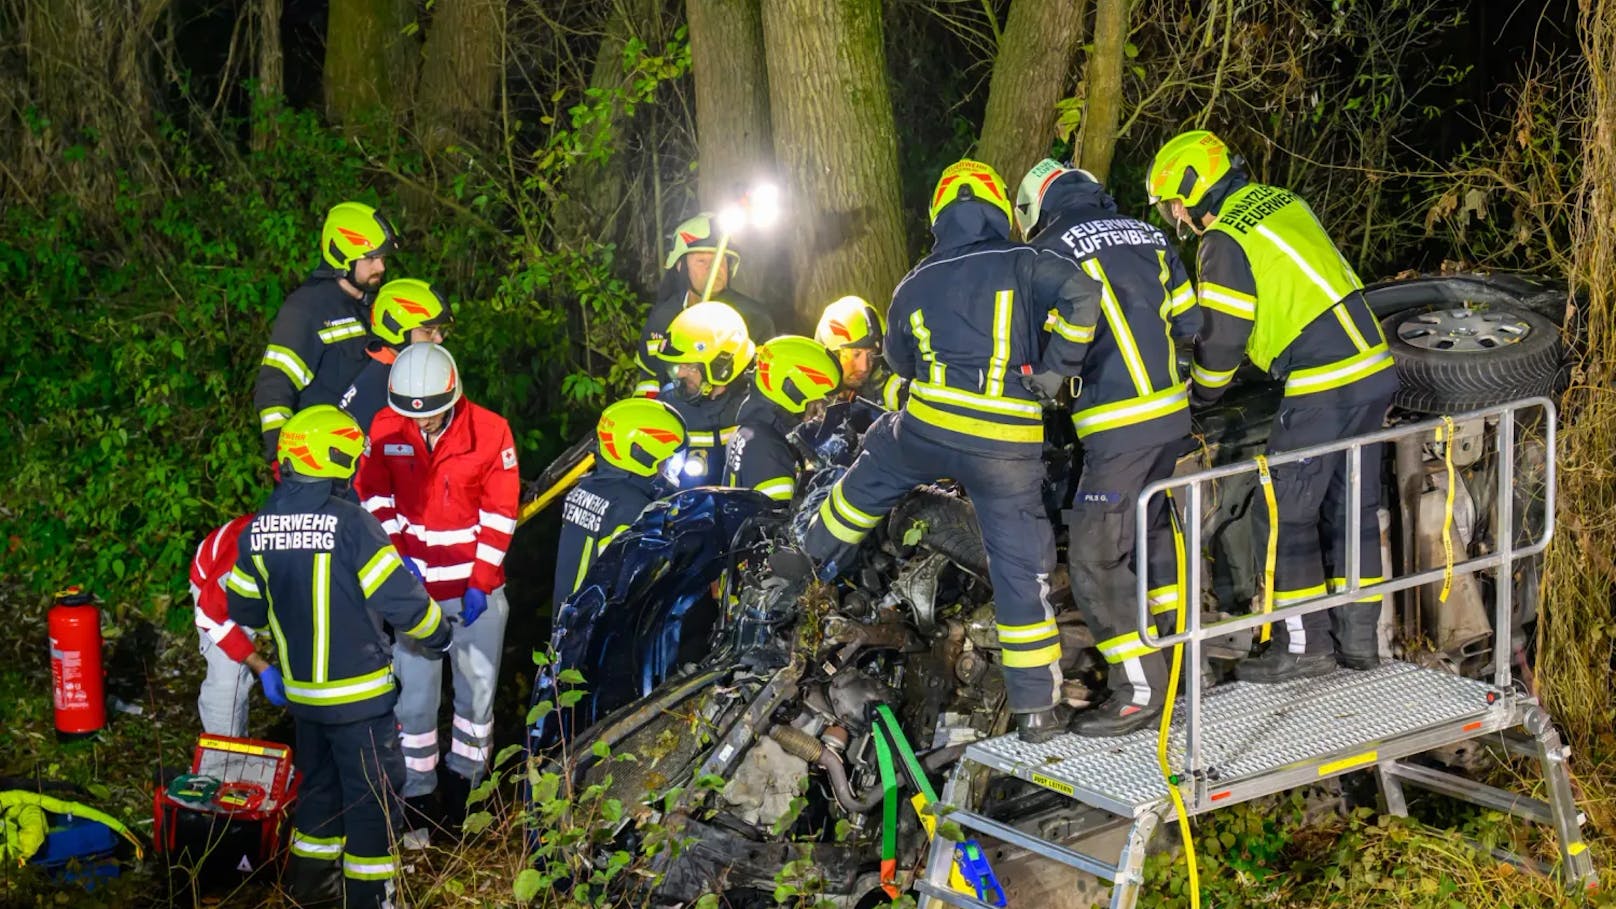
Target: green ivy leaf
(526, 885)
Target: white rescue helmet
(1030, 194)
(424, 381)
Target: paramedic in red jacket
(226, 646)
(441, 478)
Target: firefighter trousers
(1310, 540)
(1101, 551)
(1007, 495)
(346, 809)
(474, 661)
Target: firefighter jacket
(969, 320)
(709, 424)
(314, 568)
(450, 506)
(672, 298)
(209, 568)
(367, 396)
(600, 507)
(316, 347)
(1132, 395)
(759, 455)
(1275, 288)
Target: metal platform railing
(1266, 738)
(1188, 493)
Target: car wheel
(1451, 359)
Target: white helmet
(424, 381)
(1030, 194)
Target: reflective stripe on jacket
(314, 569)
(1132, 395)
(969, 320)
(600, 507)
(452, 507)
(316, 348)
(1274, 287)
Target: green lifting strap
(911, 764)
(889, 814)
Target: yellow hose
(569, 480)
(1167, 714)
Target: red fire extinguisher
(75, 649)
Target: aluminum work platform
(1241, 740)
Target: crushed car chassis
(1242, 741)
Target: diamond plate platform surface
(1249, 729)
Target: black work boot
(1282, 666)
(312, 883)
(422, 814)
(1040, 726)
(1358, 662)
(1115, 716)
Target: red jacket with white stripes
(450, 508)
(212, 564)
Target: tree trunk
(368, 63)
(587, 213)
(271, 69)
(732, 121)
(1030, 74)
(1102, 104)
(460, 74)
(837, 146)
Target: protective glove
(1045, 385)
(414, 568)
(472, 605)
(274, 685)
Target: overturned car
(692, 668)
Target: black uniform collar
(757, 410)
(967, 222)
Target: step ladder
(1241, 741)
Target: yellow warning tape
(1357, 760)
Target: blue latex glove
(414, 568)
(274, 685)
(472, 605)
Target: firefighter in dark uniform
(638, 443)
(319, 572)
(966, 327)
(407, 311)
(708, 354)
(1133, 418)
(684, 280)
(1274, 288)
(792, 381)
(317, 345)
(853, 330)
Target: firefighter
(442, 479)
(314, 567)
(641, 445)
(1274, 289)
(793, 379)
(317, 345)
(684, 279)
(1133, 419)
(708, 352)
(967, 329)
(407, 311)
(232, 661)
(853, 330)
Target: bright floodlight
(731, 219)
(763, 205)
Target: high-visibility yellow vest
(1299, 272)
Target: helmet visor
(673, 466)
